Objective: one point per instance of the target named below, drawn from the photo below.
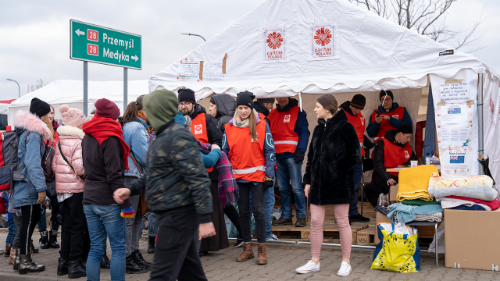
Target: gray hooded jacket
(226, 105)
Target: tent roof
(71, 91)
(4, 106)
(374, 53)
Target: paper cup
(414, 163)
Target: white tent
(371, 54)
(71, 92)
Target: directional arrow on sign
(134, 58)
(78, 32)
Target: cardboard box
(379, 217)
(471, 239)
(393, 193)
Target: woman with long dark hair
(249, 145)
(329, 179)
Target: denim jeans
(102, 220)
(54, 220)
(289, 171)
(358, 174)
(12, 232)
(152, 225)
(268, 210)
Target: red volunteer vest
(358, 122)
(385, 126)
(395, 155)
(282, 129)
(245, 155)
(199, 130)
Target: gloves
(127, 213)
(299, 156)
(269, 182)
(41, 197)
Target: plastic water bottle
(428, 159)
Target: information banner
(275, 42)
(323, 42)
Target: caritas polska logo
(275, 45)
(322, 41)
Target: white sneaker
(272, 238)
(308, 268)
(345, 269)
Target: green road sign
(89, 42)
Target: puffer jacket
(67, 180)
(30, 152)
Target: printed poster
(454, 113)
(322, 42)
(275, 45)
(212, 71)
(188, 69)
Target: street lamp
(192, 34)
(18, 87)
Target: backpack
(9, 142)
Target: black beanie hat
(245, 98)
(405, 129)
(383, 93)
(39, 107)
(358, 101)
(186, 95)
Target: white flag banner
(275, 45)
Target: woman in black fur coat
(329, 178)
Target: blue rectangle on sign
(457, 159)
(455, 110)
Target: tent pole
(480, 137)
(125, 88)
(85, 88)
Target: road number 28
(93, 35)
(92, 49)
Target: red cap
(106, 108)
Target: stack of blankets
(415, 202)
(471, 193)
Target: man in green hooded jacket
(176, 185)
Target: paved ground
(282, 261)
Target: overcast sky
(34, 35)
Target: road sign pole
(125, 88)
(85, 88)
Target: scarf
(102, 128)
(243, 124)
(226, 186)
(143, 117)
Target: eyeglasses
(184, 104)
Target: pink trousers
(342, 217)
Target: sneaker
(358, 218)
(345, 269)
(308, 268)
(272, 238)
(239, 243)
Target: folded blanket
(437, 217)
(407, 213)
(419, 202)
(414, 183)
(449, 203)
(492, 204)
(469, 208)
(477, 187)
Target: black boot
(76, 269)
(132, 266)
(53, 239)
(151, 245)
(26, 264)
(62, 268)
(44, 239)
(16, 260)
(140, 260)
(33, 248)
(105, 263)
(7, 250)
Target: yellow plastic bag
(398, 249)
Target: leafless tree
(427, 17)
(39, 84)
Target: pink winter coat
(67, 180)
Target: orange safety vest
(395, 155)
(199, 130)
(282, 128)
(247, 156)
(385, 126)
(358, 122)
